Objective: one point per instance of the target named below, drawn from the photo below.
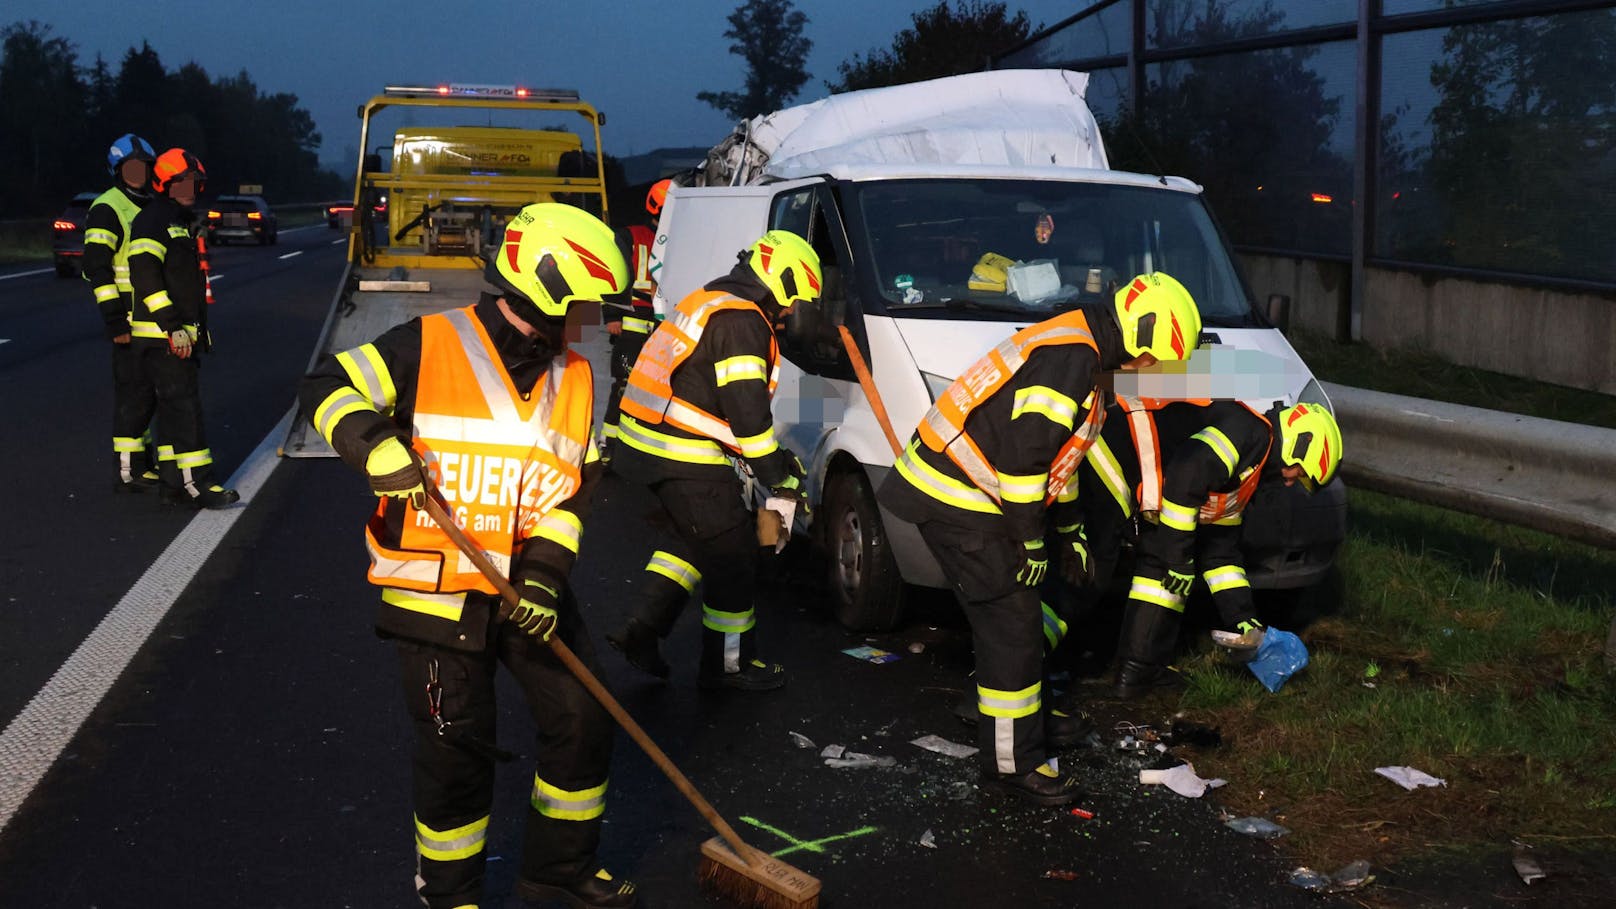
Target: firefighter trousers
(1007, 636)
(185, 460)
(718, 548)
(625, 350)
(134, 404)
(454, 759)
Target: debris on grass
(944, 747)
(1280, 656)
(1527, 867)
(802, 741)
(927, 840)
(833, 751)
(1308, 879)
(917, 647)
(871, 654)
(1083, 813)
(1409, 778)
(1181, 779)
(853, 760)
(1189, 732)
(1259, 827)
(1059, 874)
(1352, 877)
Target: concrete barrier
(1551, 476)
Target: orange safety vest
(943, 428)
(501, 462)
(649, 396)
(1219, 506)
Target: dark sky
(639, 62)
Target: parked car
(67, 236)
(241, 218)
(336, 212)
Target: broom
(736, 871)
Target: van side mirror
(373, 163)
(1279, 311)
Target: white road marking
(5, 340)
(293, 230)
(24, 274)
(291, 254)
(213, 277)
(36, 738)
(338, 242)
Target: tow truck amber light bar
(469, 90)
(65, 225)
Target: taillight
(214, 215)
(254, 216)
(65, 225)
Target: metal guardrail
(47, 219)
(1544, 474)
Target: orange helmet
(176, 164)
(657, 195)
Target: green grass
(1484, 644)
(1423, 374)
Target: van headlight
(936, 384)
(1313, 393)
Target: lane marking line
(293, 230)
(46, 726)
(291, 254)
(24, 274)
(338, 242)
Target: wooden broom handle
(867, 382)
(569, 659)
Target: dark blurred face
(183, 191)
(135, 173)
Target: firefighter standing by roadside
(484, 395)
(167, 272)
(699, 395)
(999, 447)
(1188, 469)
(628, 326)
(107, 235)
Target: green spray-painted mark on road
(810, 845)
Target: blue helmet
(129, 145)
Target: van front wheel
(865, 586)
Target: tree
(767, 34)
(944, 41)
(42, 118)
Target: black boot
(139, 481)
(1149, 634)
(1063, 729)
(1043, 786)
(638, 643)
(598, 891)
(755, 675)
(211, 496)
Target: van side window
(817, 349)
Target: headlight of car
(1313, 393)
(935, 384)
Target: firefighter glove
(180, 342)
(791, 488)
(536, 613)
(395, 470)
(1179, 581)
(1077, 565)
(1034, 563)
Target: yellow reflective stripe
(1233, 520)
(592, 450)
(1228, 577)
(1176, 516)
(165, 453)
(639, 326)
(1221, 446)
(1106, 466)
(941, 487)
(1045, 401)
(439, 605)
(727, 622)
(106, 293)
(1054, 626)
(736, 369)
(128, 443)
(157, 301)
(690, 451)
(451, 845)
(101, 237)
(674, 569)
(1023, 488)
(1012, 704)
(149, 247)
(562, 527)
(368, 373)
(337, 405)
(146, 329)
(568, 804)
(608, 431)
(193, 459)
(1150, 590)
(1069, 492)
(759, 445)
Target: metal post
(1365, 145)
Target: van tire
(866, 589)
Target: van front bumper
(1290, 538)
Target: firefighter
(699, 395)
(629, 326)
(491, 402)
(106, 266)
(167, 271)
(1188, 470)
(1000, 447)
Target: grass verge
(1468, 649)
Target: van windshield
(1029, 248)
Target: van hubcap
(849, 552)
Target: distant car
(335, 212)
(241, 218)
(67, 236)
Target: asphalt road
(254, 751)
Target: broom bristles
(768, 884)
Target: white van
(898, 241)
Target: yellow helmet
(555, 255)
(1159, 317)
(787, 266)
(1310, 438)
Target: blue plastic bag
(1280, 656)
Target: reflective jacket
(165, 271)
(701, 388)
(636, 315)
(108, 227)
(1007, 436)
